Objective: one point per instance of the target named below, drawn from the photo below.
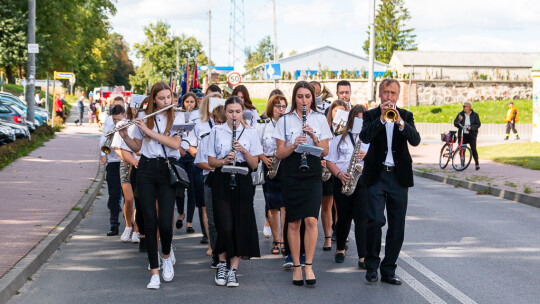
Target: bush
(23, 147)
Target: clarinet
(233, 175)
(303, 163)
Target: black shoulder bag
(177, 175)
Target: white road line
(420, 288)
(436, 279)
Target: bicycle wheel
(444, 157)
(461, 158)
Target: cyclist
(470, 122)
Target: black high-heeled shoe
(298, 282)
(327, 248)
(312, 281)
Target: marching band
(312, 157)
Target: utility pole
(275, 40)
(371, 74)
(31, 67)
(209, 65)
(47, 95)
(1, 81)
(177, 58)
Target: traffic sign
(33, 48)
(272, 71)
(63, 75)
(234, 78)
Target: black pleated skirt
(302, 190)
(234, 216)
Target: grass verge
(490, 112)
(22, 147)
(526, 155)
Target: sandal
(283, 250)
(275, 247)
(327, 248)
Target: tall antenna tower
(237, 33)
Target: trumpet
(106, 148)
(390, 115)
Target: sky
(302, 25)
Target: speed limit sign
(234, 78)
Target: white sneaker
(267, 231)
(159, 262)
(135, 237)
(173, 258)
(154, 282)
(232, 281)
(221, 274)
(168, 270)
(126, 235)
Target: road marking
(420, 288)
(436, 279)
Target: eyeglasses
(280, 106)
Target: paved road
(459, 248)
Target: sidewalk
(39, 190)
(507, 177)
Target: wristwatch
(401, 123)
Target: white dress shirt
(265, 130)
(219, 143)
(201, 128)
(118, 142)
(151, 148)
(467, 123)
(254, 117)
(341, 153)
(389, 161)
(315, 120)
(202, 152)
(108, 126)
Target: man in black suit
(387, 175)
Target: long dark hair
(245, 94)
(305, 85)
(190, 94)
(232, 100)
(152, 107)
(350, 122)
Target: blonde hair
(204, 112)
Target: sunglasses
(280, 106)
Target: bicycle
(461, 156)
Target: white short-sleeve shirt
(151, 148)
(293, 122)
(220, 140)
(265, 129)
(118, 142)
(341, 153)
(202, 153)
(254, 117)
(201, 128)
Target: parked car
(16, 114)
(20, 130)
(7, 135)
(41, 115)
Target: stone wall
(423, 92)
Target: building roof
(466, 59)
(322, 49)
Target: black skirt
(302, 190)
(234, 215)
(328, 187)
(272, 191)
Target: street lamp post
(31, 67)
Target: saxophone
(272, 172)
(326, 174)
(354, 170)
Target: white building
(325, 58)
(463, 65)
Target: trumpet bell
(325, 93)
(390, 115)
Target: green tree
(391, 33)
(264, 52)
(122, 66)
(12, 38)
(158, 54)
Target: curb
(12, 281)
(486, 189)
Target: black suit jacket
(374, 133)
(475, 123)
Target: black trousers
(114, 189)
(153, 183)
(385, 192)
(471, 140)
(139, 218)
(350, 208)
(511, 126)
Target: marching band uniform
(114, 186)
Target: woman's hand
(360, 155)
(123, 132)
(135, 163)
(268, 162)
(139, 122)
(344, 177)
(323, 163)
(309, 131)
(300, 140)
(229, 158)
(238, 147)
